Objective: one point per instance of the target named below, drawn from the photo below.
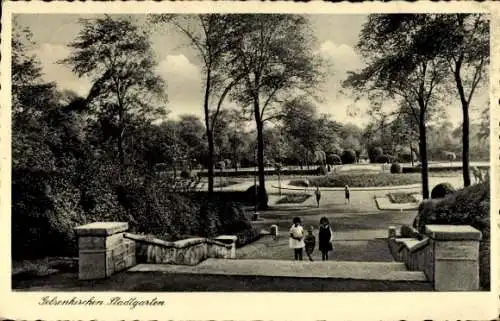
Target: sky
(337, 36)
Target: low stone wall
(105, 248)
(183, 252)
(447, 254)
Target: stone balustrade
(106, 248)
(183, 252)
(447, 254)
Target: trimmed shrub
(383, 159)
(406, 156)
(252, 193)
(441, 190)
(450, 156)
(396, 168)
(321, 170)
(334, 159)
(348, 156)
(468, 206)
(374, 153)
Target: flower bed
(401, 198)
(293, 199)
(363, 180)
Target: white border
(253, 306)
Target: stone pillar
(229, 239)
(103, 250)
(454, 263)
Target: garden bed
(402, 198)
(362, 180)
(293, 199)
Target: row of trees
(263, 63)
(419, 60)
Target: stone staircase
(280, 275)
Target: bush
(396, 168)
(348, 156)
(252, 193)
(247, 236)
(450, 156)
(441, 190)
(407, 156)
(385, 159)
(185, 174)
(469, 206)
(321, 170)
(334, 159)
(374, 153)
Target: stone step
(382, 271)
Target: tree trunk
(210, 163)
(210, 137)
(262, 200)
(423, 157)
(465, 126)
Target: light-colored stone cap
(413, 245)
(101, 228)
(148, 239)
(452, 232)
(226, 238)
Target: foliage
(284, 64)
(362, 180)
(348, 156)
(374, 153)
(322, 170)
(396, 168)
(441, 190)
(468, 206)
(116, 54)
(334, 159)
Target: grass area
(293, 199)
(401, 198)
(362, 180)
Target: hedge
(468, 206)
(251, 173)
(418, 169)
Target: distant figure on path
(347, 194)
(325, 238)
(318, 195)
(310, 242)
(297, 238)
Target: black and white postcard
(253, 160)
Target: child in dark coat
(325, 238)
(310, 241)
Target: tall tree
(397, 69)
(116, 54)
(462, 40)
(275, 52)
(211, 36)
